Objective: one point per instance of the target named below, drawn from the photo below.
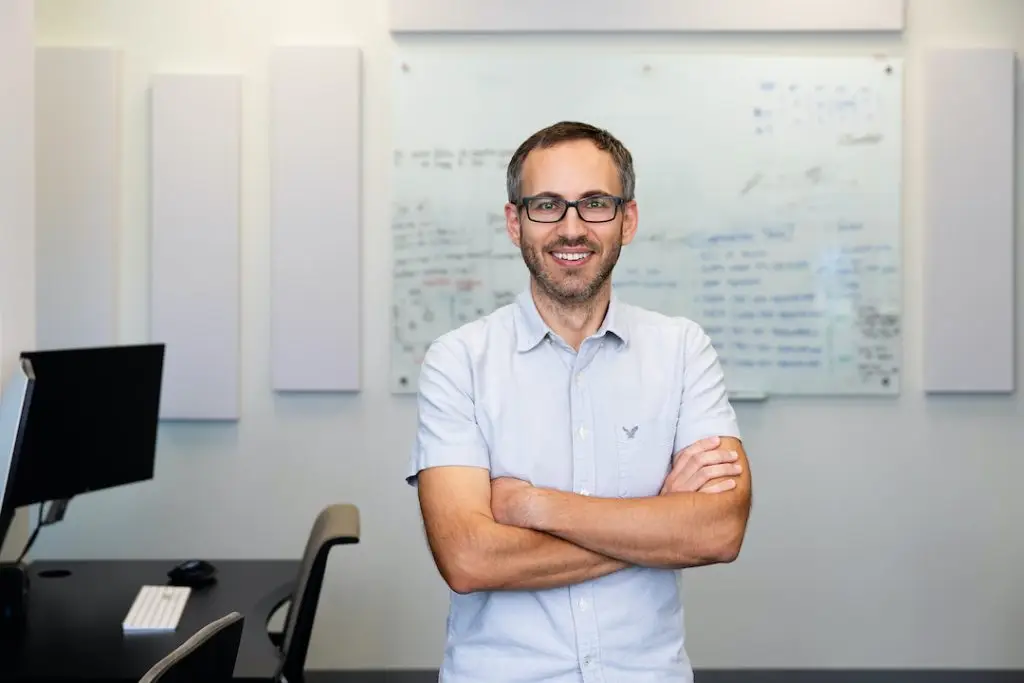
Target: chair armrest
(270, 604)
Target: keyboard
(156, 608)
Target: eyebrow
(588, 193)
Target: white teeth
(571, 257)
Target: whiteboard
(768, 192)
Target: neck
(573, 322)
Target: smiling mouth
(571, 259)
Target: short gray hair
(568, 131)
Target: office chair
(335, 525)
(207, 657)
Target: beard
(571, 287)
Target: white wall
(17, 179)
(884, 532)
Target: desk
(74, 620)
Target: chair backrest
(207, 657)
(335, 525)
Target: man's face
(570, 260)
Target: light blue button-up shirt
(506, 393)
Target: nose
(572, 226)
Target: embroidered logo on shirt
(630, 432)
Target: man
(574, 451)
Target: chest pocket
(644, 449)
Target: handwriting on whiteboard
(445, 268)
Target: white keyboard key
(156, 608)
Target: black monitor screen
(15, 401)
(93, 423)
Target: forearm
(674, 530)
(500, 557)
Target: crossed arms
(474, 552)
(506, 534)
(510, 535)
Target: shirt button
(586, 660)
(584, 492)
(583, 605)
(579, 378)
(583, 432)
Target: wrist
(550, 510)
(540, 505)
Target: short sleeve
(447, 433)
(705, 409)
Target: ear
(512, 223)
(630, 220)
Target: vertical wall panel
(969, 221)
(77, 199)
(17, 180)
(195, 288)
(315, 219)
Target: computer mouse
(193, 573)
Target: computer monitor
(93, 424)
(15, 402)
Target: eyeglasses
(593, 209)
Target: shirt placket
(581, 596)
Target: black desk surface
(74, 623)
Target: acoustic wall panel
(17, 265)
(422, 16)
(969, 220)
(315, 218)
(195, 289)
(17, 180)
(77, 199)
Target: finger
(719, 486)
(717, 459)
(688, 468)
(710, 473)
(699, 446)
(716, 456)
(690, 464)
(703, 474)
(705, 444)
(711, 458)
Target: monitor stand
(55, 511)
(14, 576)
(13, 596)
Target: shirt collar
(531, 329)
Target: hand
(702, 468)
(511, 501)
